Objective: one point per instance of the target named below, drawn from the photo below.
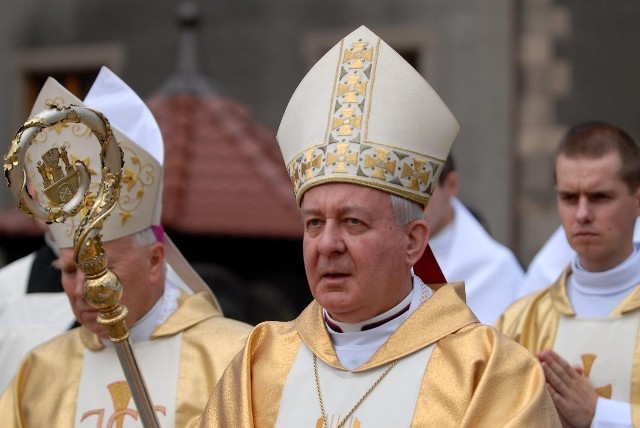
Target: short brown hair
(595, 139)
(449, 166)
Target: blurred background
(218, 76)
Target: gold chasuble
(607, 347)
(440, 368)
(73, 381)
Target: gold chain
(353, 409)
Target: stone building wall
(577, 61)
(544, 79)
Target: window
(75, 67)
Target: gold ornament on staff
(67, 192)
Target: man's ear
(418, 233)
(156, 258)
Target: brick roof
(223, 171)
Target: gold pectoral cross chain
(341, 423)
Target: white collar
(378, 320)
(164, 307)
(354, 348)
(613, 281)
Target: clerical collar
(618, 279)
(164, 307)
(354, 348)
(377, 321)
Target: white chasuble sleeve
(390, 403)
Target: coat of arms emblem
(59, 186)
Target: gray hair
(144, 238)
(405, 211)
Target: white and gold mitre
(140, 203)
(138, 134)
(364, 115)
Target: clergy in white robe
(180, 339)
(584, 328)
(33, 308)
(75, 380)
(364, 138)
(449, 371)
(602, 336)
(466, 252)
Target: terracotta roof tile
(224, 173)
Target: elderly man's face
(139, 269)
(356, 256)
